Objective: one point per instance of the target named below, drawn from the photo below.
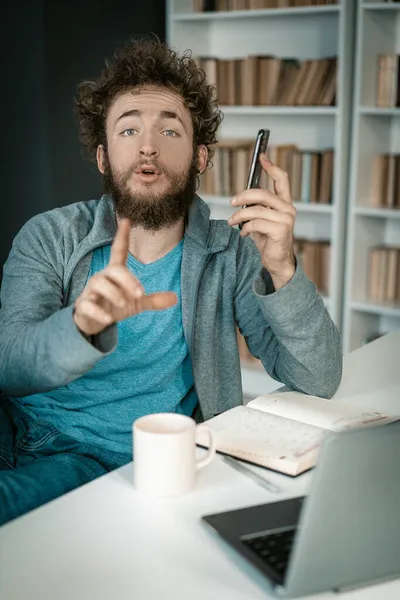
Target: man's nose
(149, 148)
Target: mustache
(148, 163)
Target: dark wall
(25, 173)
(47, 48)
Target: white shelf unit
(303, 33)
(375, 131)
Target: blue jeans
(38, 463)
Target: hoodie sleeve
(40, 346)
(288, 329)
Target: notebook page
(252, 432)
(328, 414)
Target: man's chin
(146, 196)
(156, 188)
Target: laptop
(344, 534)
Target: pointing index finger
(120, 245)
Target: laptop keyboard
(273, 548)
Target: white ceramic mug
(164, 451)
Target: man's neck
(149, 246)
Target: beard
(148, 209)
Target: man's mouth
(148, 173)
(148, 170)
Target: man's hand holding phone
(114, 293)
(269, 220)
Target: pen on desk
(250, 473)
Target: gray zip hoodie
(223, 284)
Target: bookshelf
(306, 33)
(372, 295)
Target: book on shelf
(269, 80)
(383, 283)
(283, 431)
(388, 81)
(315, 258)
(217, 5)
(310, 171)
(385, 188)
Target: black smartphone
(260, 147)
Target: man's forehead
(149, 100)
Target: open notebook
(283, 431)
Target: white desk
(106, 542)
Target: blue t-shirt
(149, 371)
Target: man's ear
(202, 157)
(100, 157)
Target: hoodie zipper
(191, 324)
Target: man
(127, 305)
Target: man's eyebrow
(169, 114)
(129, 113)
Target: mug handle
(202, 462)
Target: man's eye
(129, 132)
(171, 133)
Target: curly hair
(147, 62)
